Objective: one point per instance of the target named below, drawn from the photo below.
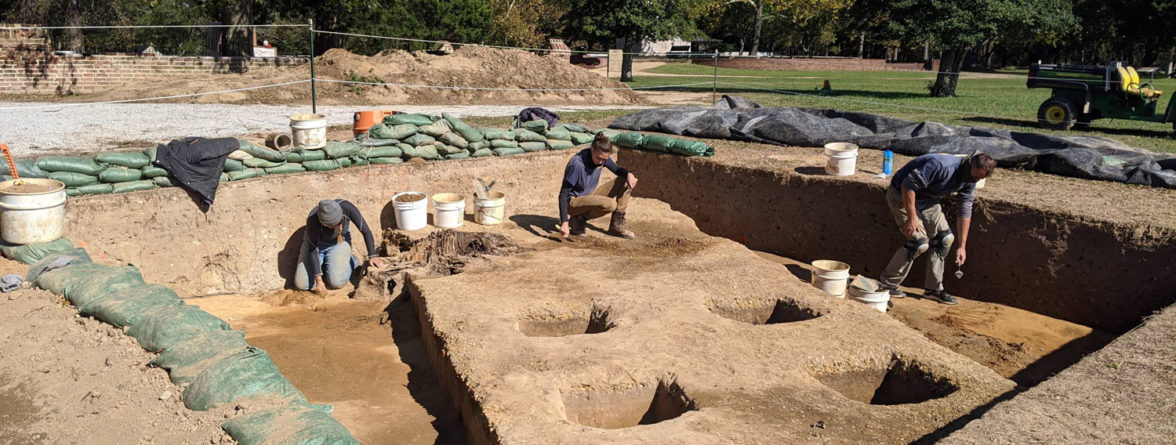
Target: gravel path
(34, 129)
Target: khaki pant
(612, 196)
(900, 264)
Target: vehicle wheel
(1057, 114)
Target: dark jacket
(581, 178)
(319, 237)
(934, 176)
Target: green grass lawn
(988, 100)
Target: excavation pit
(594, 321)
(767, 312)
(900, 383)
(644, 405)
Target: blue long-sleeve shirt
(581, 177)
(319, 237)
(934, 176)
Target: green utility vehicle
(1083, 93)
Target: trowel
(959, 274)
(481, 189)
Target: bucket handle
(485, 211)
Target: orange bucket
(364, 120)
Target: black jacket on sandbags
(196, 163)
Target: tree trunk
(74, 40)
(627, 59)
(862, 45)
(1172, 62)
(949, 73)
(759, 21)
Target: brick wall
(804, 64)
(28, 65)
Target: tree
(633, 20)
(525, 23)
(956, 26)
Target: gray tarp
(1077, 156)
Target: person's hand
(961, 255)
(377, 262)
(565, 229)
(320, 287)
(631, 181)
(911, 226)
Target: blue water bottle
(887, 162)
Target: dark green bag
(96, 189)
(381, 152)
(247, 374)
(78, 255)
(409, 119)
(163, 181)
(71, 179)
(449, 149)
(475, 146)
(321, 166)
(455, 140)
(151, 153)
(27, 168)
(558, 134)
(495, 133)
(60, 280)
(224, 177)
(31, 253)
(258, 151)
(556, 144)
(507, 151)
(382, 131)
(75, 164)
(657, 142)
(189, 358)
(344, 162)
(502, 143)
(312, 155)
(248, 173)
(233, 165)
(629, 140)
(525, 135)
(69, 193)
(126, 307)
(385, 161)
(358, 161)
(336, 150)
(419, 139)
(296, 423)
(482, 153)
(160, 328)
(289, 167)
(582, 138)
(458, 155)
(258, 163)
(538, 125)
(128, 159)
(133, 186)
(428, 152)
(151, 171)
(100, 284)
(691, 148)
(120, 174)
(533, 146)
(294, 156)
(574, 128)
(469, 133)
(435, 129)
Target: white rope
(460, 88)
(147, 99)
(2, 28)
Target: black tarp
(736, 118)
(196, 164)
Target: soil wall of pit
(1090, 272)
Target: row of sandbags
(199, 350)
(447, 137)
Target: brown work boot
(617, 226)
(577, 225)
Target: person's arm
(570, 179)
(914, 182)
(626, 175)
(352, 213)
(313, 268)
(964, 221)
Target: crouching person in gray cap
(326, 246)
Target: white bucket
(490, 211)
(830, 276)
(868, 292)
(33, 212)
(842, 158)
(309, 130)
(448, 210)
(412, 210)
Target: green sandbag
(482, 153)
(574, 128)
(126, 307)
(428, 152)
(538, 125)
(294, 156)
(336, 150)
(385, 161)
(657, 142)
(582, 138)
(449, 149)
(258, 163)
(403, 147)
(250, 373)
(364, 141)
(120, 174)
(128, 159)
(296, 423)
(533, 146)
(629, 139)
(69, 193)
(556, 144)
(75, 164)
(152, 153)
(502, 143)
(322, 165)
(558, 134)
(71, 179)
(459, 155)
(409, 119)
(465, 130)
(382, 131)
(507, 151)
(233, 165)
(163, 327)
(455, 140)
(99, 285)
(691, 148)
(289, 167)
(475, 146)
(78, 256)
(344, 162)
(152, 171)
(496, 133)
(381, 152)
(610, 134)
(258, 151)
(59, 280)
(163, 181)
(31, 253)
(248, 173)
(96, 189)
(133, 186)
(436, 129)
(525, 135)
(358, 161)
(419, 139)
(189, 358)
(27, 168)
(311, 155)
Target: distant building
(658, 47)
